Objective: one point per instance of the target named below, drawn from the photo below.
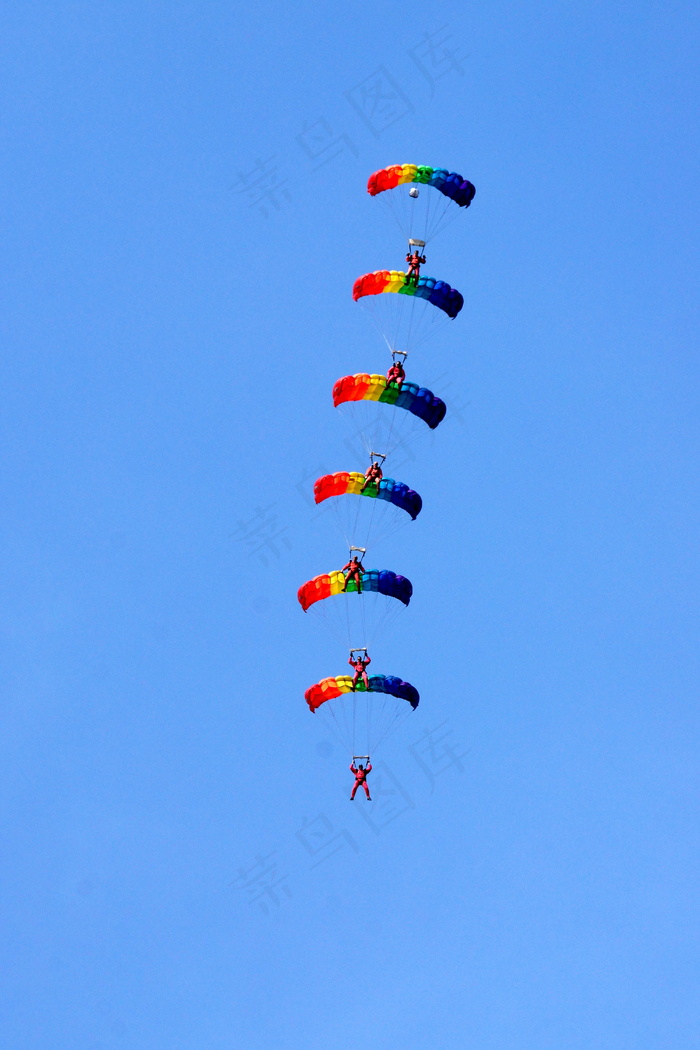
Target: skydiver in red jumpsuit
(414, 264)
(396, 374)
(360, 666)
(372, 474)
(354, 570)
(360, 778)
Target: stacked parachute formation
(386, 411)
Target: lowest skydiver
(360, 665)
(373, 475)
(414, 264)
(396, 374)
(360, 778)
(354, 570)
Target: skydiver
(354, 570)
(360, 666)
(414, 264)
(360, 778)
(396, 374)
(372, 474)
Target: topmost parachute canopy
(421, 213)
(460, 190)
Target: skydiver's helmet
(414, 191)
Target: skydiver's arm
(368, 660)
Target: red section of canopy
(386, 179)
(316, 695)
(370, 284)
(331, 485)
(314, 591)
(351, 388)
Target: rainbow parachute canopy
(350, 483)
(439, 293)
(330, 688)
(460, 190)
(416, 399)
(379, 581)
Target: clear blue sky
(184, 214)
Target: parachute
(330, 688)
(452, 185)
(421, 214)
(351, 482)
(418, 400)
(375, 581)
(439, 293)
(410, 316)
(362, 719)
(356, 619)
(383, 417)
(383, 508)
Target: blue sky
(182, 869)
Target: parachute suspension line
(428, 208)
(338, 731)
(391, 427)
(442, 220)
(393, 723)
(383, 718)
(354, 723)
(375, 718)
(440, 207)
(411, 318)
(388, 614)
(389, 206)
(372, 309)
(351, 537)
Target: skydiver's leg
(355, 578)
(354, 681)
(366, 787)
(354, 789)
(365, 680)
